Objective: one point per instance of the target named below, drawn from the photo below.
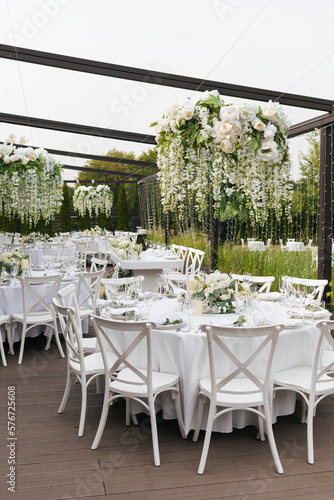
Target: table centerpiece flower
(126, 249)
(30, 183)
(10, 259)
(236, 153)
(219, 290)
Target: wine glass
(149, 297)
(14, 272)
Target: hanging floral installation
(88, 197)
(30, 183)
(237, 154)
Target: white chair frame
(250, 391)
(110, 285)
(132, 382)
(40, 312)
(319, 285)
(265, 281)
(88, 291)
(311, 382)
(5, 320)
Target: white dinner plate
(171, 257)
(176, 327)
(269, 296)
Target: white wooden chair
(88, 291)
(81, 253)
(129, 285)
(312, 382)
(245, 387)
(85, 367)
(5, 320)
(37, 294)
(138, 382)
(265, 281)
(98, 264)
(317, 285)
(192, 267)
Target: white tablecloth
(37, 253)
(295, 246)
(185, 353)
(256, 246)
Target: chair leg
(23, 338)
(271, 439)
(261, 426)
(67, 391)
(83, 406)
(154, 432)
(103, 419)
(3, 356)
(207, 439)
(10, 338)
(60, 349)
(201, 403)
(310, 418)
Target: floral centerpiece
(9, 259)
(30, 183)
(126, 249)
(96, 231)
(234, 152)
(219, 290)
(88, 197)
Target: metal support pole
(325, 205)
(214, 228)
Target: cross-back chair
(246, 386)
(37, 295)
(137, 381)
(263, 282)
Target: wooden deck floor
(53, 463)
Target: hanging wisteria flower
(209, 146)
(30, 183)
(89, 197)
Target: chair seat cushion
(236, 386)
(160, 381)
(299, 377)
(37, 317)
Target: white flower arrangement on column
(30, 183)
(210, 147)
(88, 197)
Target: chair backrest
(194, 261)
(129, 285)
(89, 288)
(182, 253)
(36, 298)
(54, 249)
(67, 297)
(318, 285)
(98, 264)
(265, 281)
(319, 369)
(254, 361)
(123, 339)
(71, 332)
(81, 252)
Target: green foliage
(84, 222)
(65, 210)
(103, 220)
(122, 210)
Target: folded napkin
(162, 318)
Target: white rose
(224, 128)
(268, 151)
(228, 113)
(270, 110)
(247, 113)
(270, 131)
(227, 146)
(14, 158)
(6, 159)
(258, 125)
(187, 113)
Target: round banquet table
(36, 253)
(185, 353)
(11, 302)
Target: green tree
(65, 210)
(122, 210)
(136, 211)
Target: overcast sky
(284, 45)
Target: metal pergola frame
(323, 122)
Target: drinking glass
(14, 271)
(149, 298)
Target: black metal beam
(101, 171)
(325, 205)
(160, 78)
(76, 128)
(109, 159)
(309, 125)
